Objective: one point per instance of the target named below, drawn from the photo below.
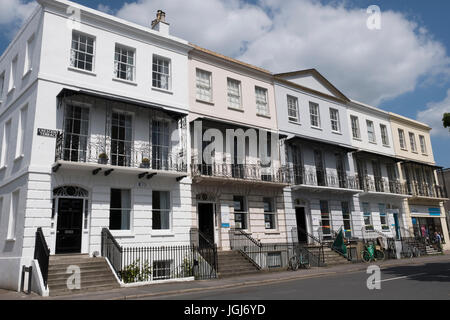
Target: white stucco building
(93, 128)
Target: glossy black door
(301, 224)
(206, 220)
(69, 229)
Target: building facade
(100, 111)
(425, 206)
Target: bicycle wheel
(379, 255)
(365, 256)
(293, 263)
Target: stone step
(53, 278)
(85, 283)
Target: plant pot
(103, 160)
(145, 165)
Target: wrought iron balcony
(83, 149)
(419, 189)
(247, 172)
(379, 184)
(336, 179)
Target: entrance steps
(430, 250)
(95, 274)
(331, 257)
(234, 263)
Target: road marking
(403, 277)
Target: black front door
(69, 229)
(301, 224)
(206, 220)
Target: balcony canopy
(174, 113)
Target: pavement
(172, 289)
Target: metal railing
(379, 184)
(137, 264)
(250, 172)
(336, 179)
(311, 241)
(251, 248)
(84, 149)
(426, 190)
(42, 254)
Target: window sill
(263, 115)
(11, 240)
(162, 90)
(271, 232)
(415, 152)
(205, 102)
(162, 233)
(403, 149)
(336, 132)
(357, 139)
(425, 154)
(317, 128)
(295, 122)
(90, 73)
(11, 91)
(386, 145)
(236, 109)
(3, 168)
(125, 81)
(27, 73)
(20, 156)
(372, 142)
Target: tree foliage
(446, 120)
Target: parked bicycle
(410, 252)
(372, 252)
(299, 261)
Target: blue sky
(400, 68)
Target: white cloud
(12, 14)
(433, 114)
(367, 65)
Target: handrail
(204, 238)
(42, 254)
(248, 246)
(111, 250)
(311, 236)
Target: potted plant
(145, 163)
(369, 228)
(103, 158)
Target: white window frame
(13, 212)
(355, 120)
(203, 85)
(28, 66)
(423, 144)
(21, 129)
(384, 135)
(262, 103)
(314, 114)
(336, 121)
(130, 212)
(234, 98)
(402, 139)
(244, 213)
(367, 214)
(74, 52)
(159, 61)
(292, 105)
(2, 85)
(13, 74)
(383, 215)
(412, 141)
(370, 125)
(124, 51)
(5, 143)
(272, 213)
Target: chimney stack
(160, 24)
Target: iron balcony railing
(298, 175)
(249, 172)
(84, 149)
(420, 189)
(42, 254)
(380, 184)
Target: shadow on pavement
(437, 271)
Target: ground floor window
(161, 269)
(120, 209)
(325, 219)
(383, 216)
(347, 219)
(367, 215)
(160, 210)
(240, 212)
(269, 213)
(426, 228)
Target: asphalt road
(425, 281)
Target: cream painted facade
(425, 207)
